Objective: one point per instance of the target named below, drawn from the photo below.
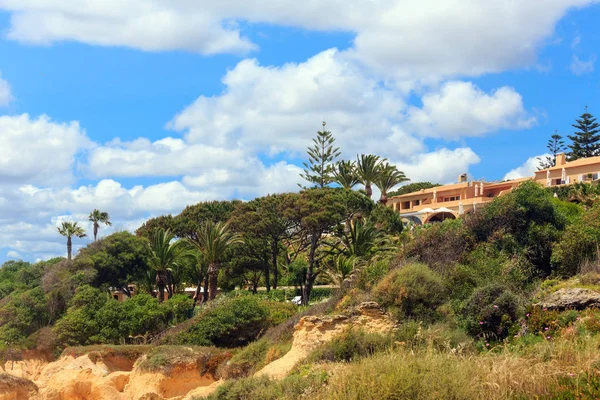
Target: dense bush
(439, 245)
(235, 322)
(491, 312)
(352, 345)
(526, 220)
(413, 291)
(579, 244)
(94, 317)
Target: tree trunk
(368, 190)
(274, 253)
(205, 294)
(383, 199)
(310, 274)
(169, 284)
(161, 283)
(267, 277)
(213, 275)
(69, 248)
(197, 295)
(95, 230)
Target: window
(452, 198)
(406, 205)
(417, 202)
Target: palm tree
(367, 169)
(342, 269)
(360, 240)
(388, 177)
(344, 174)
(212, 241)
(96, 217)
(68, 230)
(164, 257)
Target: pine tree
(555, 146)
(320, 167)
(586, 140)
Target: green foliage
(153, 225)
(388, 176)
(192, 218)
(585, 141)
(367, 170)
(21, 314)
(439, 245)
(352, 345)
(235, 322)
(413, 291)
(386, 219)
(316, 213)
(555, 145)
(319, 170)
(579, 244)
(525, 220)
(97, 217)
(491, 312)
(165, 359)
(94, 317)
(290, 388)
(344, 174)
(119, 260)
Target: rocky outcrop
(14, 388)
(313, 331)
(573, 298)
(97, 376)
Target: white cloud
(143, 24)
(580, 67)
(165, 157)
(440, 166)
(528, 168)
(5, 92)
(277, 109)
(13, 254)
(402, 38)
(461, 109)
(38, 150)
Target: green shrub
(491, 312)
(439, 245)
(236, 322)
(413, 291)
(291, 388)
(579, 244)
(352, 345)
(180, 307)
(525, 221)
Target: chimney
(462, 178)
(560, 159)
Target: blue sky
(142, 109)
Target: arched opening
(413, 219)
(441, 216)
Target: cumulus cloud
(528, 168)
(5, 92)
(38, 150)
(461, 109)
(280, 108)
(440, 166)
(580, 67)
(398, 37)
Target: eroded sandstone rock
(576, 298)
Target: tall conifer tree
(555, 146)
(586, 139)
(320, 167)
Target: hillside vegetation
(500, 304)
